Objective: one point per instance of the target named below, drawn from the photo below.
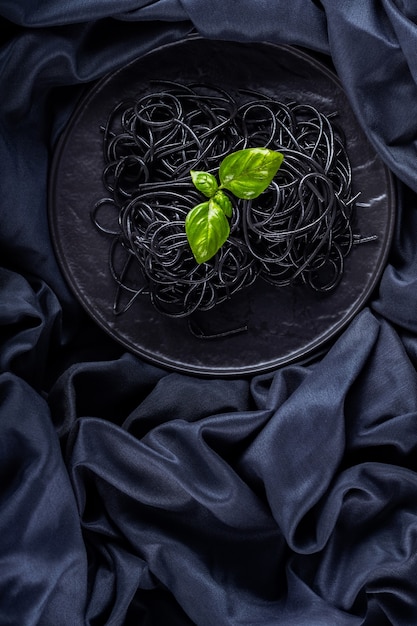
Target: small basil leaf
(204, 182)
(247, 173)
(223, 202)
(207, 229)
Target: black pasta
(298, 231)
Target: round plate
(284, 324)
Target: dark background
(131, 494)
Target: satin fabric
(135, 495)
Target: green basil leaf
(204, 182)
(223, 202)
(207, 229)
(247, 173)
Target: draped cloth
(131, 494)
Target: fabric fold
(43, 556)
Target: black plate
(284, 325)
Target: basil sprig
(246, 174)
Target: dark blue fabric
(133, 495)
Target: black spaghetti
(299, 231)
